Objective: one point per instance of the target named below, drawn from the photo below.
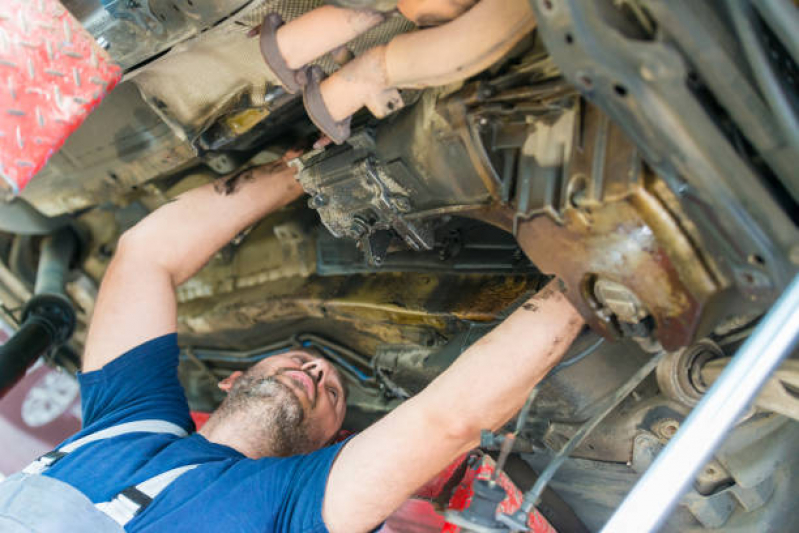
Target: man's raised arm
(381, 467)
(137, 297)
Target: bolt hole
(587, 82)
(748, 278)
(569, 38)
(391, 106)
(756, 259)
(547, 5)
(620, 90)
(711, 471)
(190, 3)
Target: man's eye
(299, 359)
(333, 392)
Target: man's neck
(226, 431)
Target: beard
(273, 414)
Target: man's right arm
(381, 467)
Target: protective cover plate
(52, 74)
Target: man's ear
(227, 383)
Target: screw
(358, 227)
(317, 200)
(402, 203)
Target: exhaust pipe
(48, 319)
(432, 57)
(287, 48)
(433, 12)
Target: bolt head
(317, 200)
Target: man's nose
(317, 369)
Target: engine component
(679, 375)
(772, 341)
(613, 234)
(688, 99)
(462, 245)
(287, 48)
(427, 58)
(48, 319)
(357, 198)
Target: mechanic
(264, 460)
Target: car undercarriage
(642, 151)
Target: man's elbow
(460, 429)
(138, 248)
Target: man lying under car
(263, 461)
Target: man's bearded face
(290, 403)
(274, 411)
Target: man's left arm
(137, 300)
(382, 466)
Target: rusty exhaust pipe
(287, 48)
(432, 57)
(433, 12)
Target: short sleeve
(303, 491)
(140, 384)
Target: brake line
(518, 521)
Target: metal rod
(653, 497)
(772, 88)
(783, 19)
(531, 497)
(57, 251)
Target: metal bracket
(338, 131)
(274, 59)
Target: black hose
(31, 341)
(48, 319)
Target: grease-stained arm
(137, 301)
(380, 468)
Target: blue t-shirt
(228, 492)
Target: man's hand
(381, 467)
(137, 297)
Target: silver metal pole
(652, 498)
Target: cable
(579, 357)
(531, 497)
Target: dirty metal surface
(52, 74)
(360, 311)
(618, 224)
